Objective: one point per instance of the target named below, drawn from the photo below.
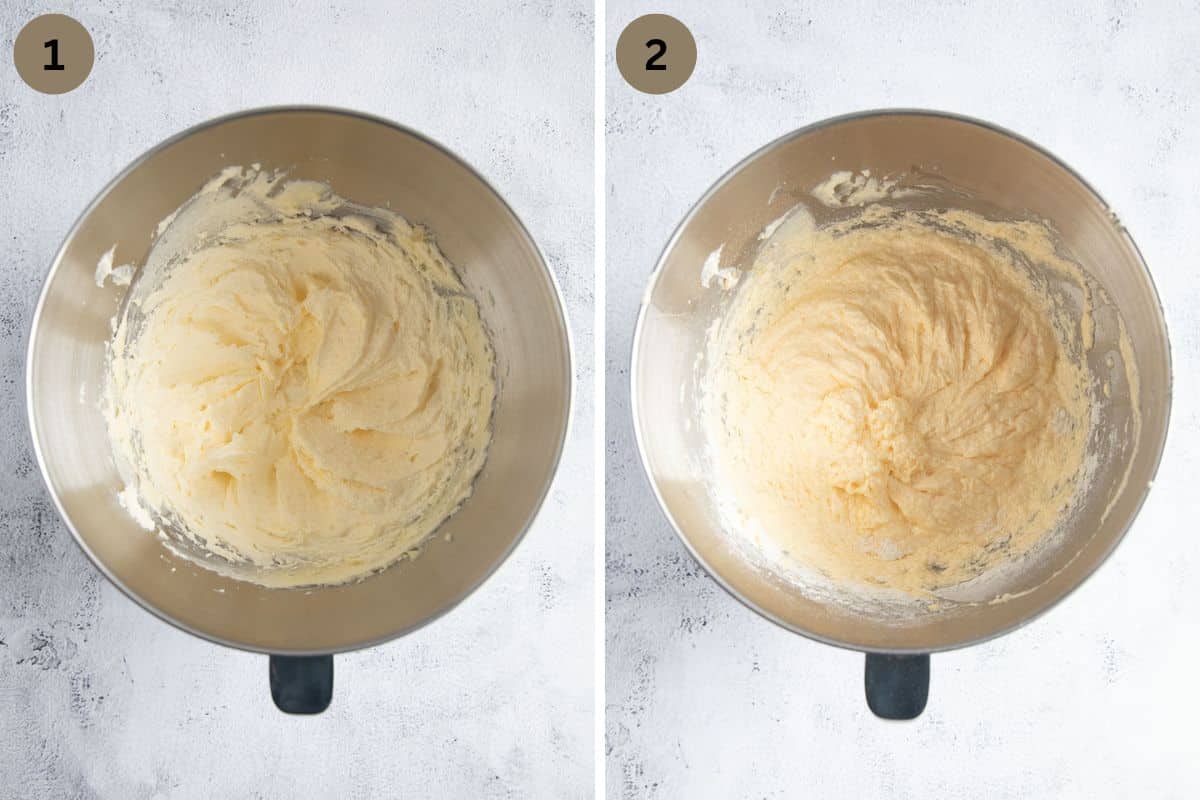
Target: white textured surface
(1098, 698)
(98, 698)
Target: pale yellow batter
(891, 400)
(301, 386)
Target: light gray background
(1097, 699)
(98, 698)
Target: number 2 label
(652, 61)
(656, 53)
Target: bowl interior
(371, 162)
(968, 165)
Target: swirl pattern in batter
(300, 386)
(891, 399)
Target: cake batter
(895, 401)
(298, 385)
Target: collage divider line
(599, 367)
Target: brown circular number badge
(53, 53)
(656, 54)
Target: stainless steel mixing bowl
(968, 164)
(369, 161)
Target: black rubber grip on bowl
(897, 686)
(302, 684)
